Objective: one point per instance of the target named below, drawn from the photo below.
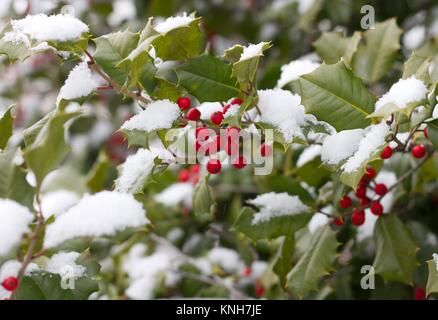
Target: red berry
(195, 169)
(358, 217)
(193, 114)
(202, 133)
(232, 148)
(419, 293)
(259, 290)
(214, 166)
(226, 108)
(364, 202)
(345, 202)
(184, 175)
(184, 103)
(361, 192)
(217, 117)
(426, 133)
(386, 153)
(380, 189)
(338, 221)
(371, 172)
(236, 101)
(247, 272)
(419, 151)
(10, 283)
(239, 163)
(265, 150)
(377, 208)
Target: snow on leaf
(102, 214)
(80, 83)
(276, 205)
(340, 146)
(159, 114)
(294, 69)
(14, 222)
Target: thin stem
(111, 83)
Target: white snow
(309, 154)
(232, 110)
(403, 93)
(41, 27)
(435, 112)
(80, 83)
(373, 139)
(57, 202)
(64, 264)
(273, 205)
(251, 51)
(102, 214)
(226, 258)
(318, 220)
(340, 146)
(173, 23)
(175, 194)
(14, 222)
(134, 171)
(159, 114)
(414, 37)
(283, 110)
(123, 10)
(208, 108)
(293, 70)
(144, 272)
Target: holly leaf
(374, 57)
(207, 78)
(335, 95)
(418, 66)
(245, 70)
(179, 43)
(14, 50)
(13, 183)
(395, 250)
(432, 280)
(332, 46)
(432, 130)
(316, 262)
(48, 147)
(47, 286)
(203, 202)
(275, 227)
(111, 49)
(6, 127)
(284, 260)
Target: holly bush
(133, 138)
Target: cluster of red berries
(358, 213)
(190, 174)
(208, 142)
(10, 283)
(418, 151)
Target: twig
(111, 83)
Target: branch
(112, 84)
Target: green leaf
(48, 147)
(316, 262)
(396, 250)
(432, 130)
(245, 70)
(333, 94)
(277, 226)
(330, 46)
(375, 57)
(283, 262)
(418, 66)
(111, 49)
(46, 286)
(432, 280)
(6, 127)
(179, 43)
(203, 202)
(14, 51)
(207, 78)
(233, 54)
(13, 183)
(101, 176)
(166, 90)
